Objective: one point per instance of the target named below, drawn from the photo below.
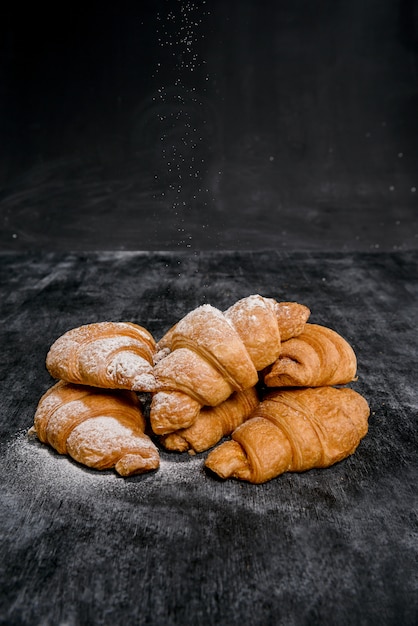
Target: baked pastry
(213, 423)
(111, 355)
(208, 355)
(293, 431)
(96, 427)
(317, 357)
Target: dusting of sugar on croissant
(105, 354)
(211, 331)
(99, 428)
(127, 368)
(172, 410)
(112, 436)
(209, 354)
(61, 414)
(252, 303)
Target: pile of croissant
(257, 376)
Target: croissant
(208, 355)
(317, 357)
(113, 355)
(96, 427)
(213, 423)
(293, 430)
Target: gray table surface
(336, 546)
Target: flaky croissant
(208, 355)
(293, 430)
(98, 428)
(317, 357)
(112, 355)
(213, 423)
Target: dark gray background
(239, 124)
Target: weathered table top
(336, 546)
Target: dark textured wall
(234, 124)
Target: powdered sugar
(285, 309)
(42, 468)
(205, 316)
(101, 438)
(161, 354)
(172, 410)
(180, 469)
(162, 400)
(111, 434)
(84, 353)
(248, 306)
(97, 352)
(129, 370)
(61, 419)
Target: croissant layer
(317, 357)
(101, 429)
(208, 355)
(293, 430)
(213, 423)
(112, 355)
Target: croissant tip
(134, 464)
(175, 442)
(131, 372)
(144, 382)
(226, 459)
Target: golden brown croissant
(113, 355)
(213, 423)
(96, 427)
(293, 430)
(208, 355)
(317, 357)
